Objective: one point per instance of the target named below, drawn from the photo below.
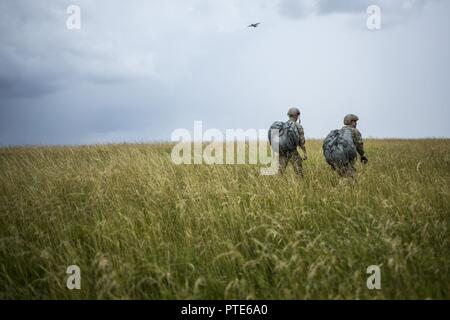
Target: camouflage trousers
(293, 157)
(347, 171)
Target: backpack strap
(296, 129)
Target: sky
(137, 70)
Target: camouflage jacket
(301, 132)
(357, 139)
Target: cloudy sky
(138, 70)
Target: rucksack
(287, 138)
(339, 148)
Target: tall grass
(140, 227)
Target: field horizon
(168, 142)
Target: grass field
(140, 227)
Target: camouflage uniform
(293, 156)
(350, 170)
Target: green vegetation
(141, 227)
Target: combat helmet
(349, 118)
(293, 112)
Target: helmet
(293, 112)
(349, 118)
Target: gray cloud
(38, 52)
(391, 9)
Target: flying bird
(254, 25)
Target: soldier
(294, 156)
(350, 123)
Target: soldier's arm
(357, 139)
(301, 141)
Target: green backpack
(338, 148)
(285, 135)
